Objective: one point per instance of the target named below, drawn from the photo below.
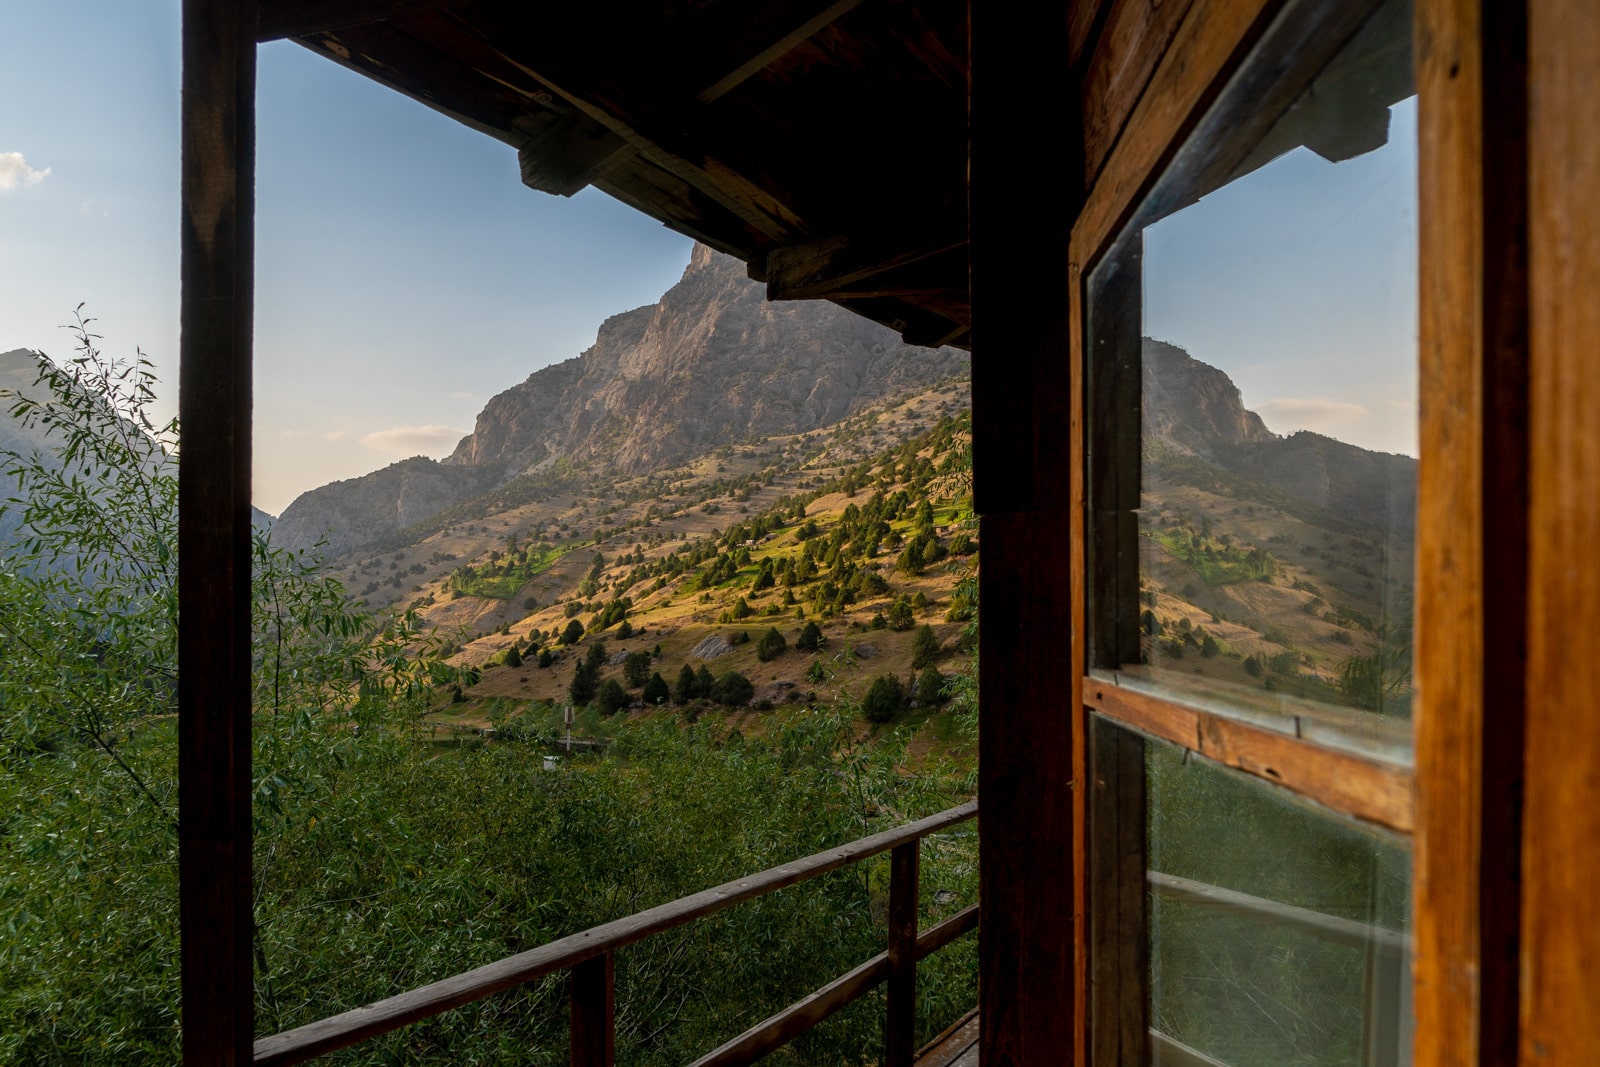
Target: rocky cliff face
(1193, 406)
(713, 362)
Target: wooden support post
(214, 530)
(594, 1012)
(900, 1028)
(1022, 460)
(1560, 950)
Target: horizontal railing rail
(589, 956)
(1327, 927)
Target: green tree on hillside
(656, 692)
(885, 699)
(810, 638)
(636, 669)
(684, 690)
(573, 633)
(733, 690)
(610, 698)
(771, 645)
(924, 647)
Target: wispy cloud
(15, 172)
(413, 440)
(1322, 414)
(88, 210)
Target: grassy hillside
(863, 529)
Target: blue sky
(1300, 281)
(404, 274)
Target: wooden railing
(590, 958)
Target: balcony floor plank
(956, 1047)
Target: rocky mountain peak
(711, 363)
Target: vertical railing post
(900, 1029)
(594, 1012)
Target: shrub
(513, 657)
(810, 638)
(573, 633)
(732, 689)
(900, 614)
(545, 658)
(684, 691)
(924, 648)
(636, 669)
(930, 686)
(656, 692)
(885, 699)
(611, 697)
(771, 645)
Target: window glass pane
(1278, 934)
(1257, 322)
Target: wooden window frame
(1470, 72)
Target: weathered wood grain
(214, 531)
(1560, 1021)
(1210, 40)
(1134, 36)
(1351, 785)
(1472, 522)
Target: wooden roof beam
(299, 18)
(831, 266)
(573, 154)
(779, 48)
(674, 140)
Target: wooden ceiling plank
(301, 18)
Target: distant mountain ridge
(1192, 407)
(712, 363)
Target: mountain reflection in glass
(1263, 304)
